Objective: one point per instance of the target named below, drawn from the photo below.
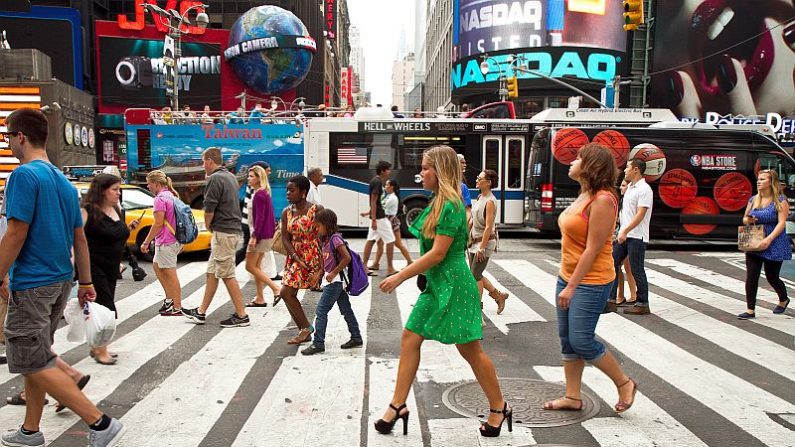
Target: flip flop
(276, 300)
(255, 304)
(80, 385)
(372, 273)
(393, 273)
(17, 399)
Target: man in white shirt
(315, 179)
(633, 234)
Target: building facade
(402, 80)
(438, 54)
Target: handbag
(422, 282)
(749, 237)
(278, 244)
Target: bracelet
(86, 286)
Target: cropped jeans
(334, 293)
(577, 324)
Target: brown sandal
(623, 406)
(303, 336)
(551, 405)
(500, 298)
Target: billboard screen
(486, 26)
(724, 57)
(130, 70)
(62, 41)
(132, 73)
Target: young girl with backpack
(336, 258)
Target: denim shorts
(577, 324)
(32, 320)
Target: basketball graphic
(677, 188)
(567, 143)
(701, 205)
(732, 191)
(616, 142)
(654, 158)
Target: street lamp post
(485, 68)
(175, 32)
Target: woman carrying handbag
(769, 208)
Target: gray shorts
(32, 320)
(477, 268)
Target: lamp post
(301, 103)
(275, 100)
(175, 32)
(485, 68)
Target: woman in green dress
(448, 309)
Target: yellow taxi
(138, 203)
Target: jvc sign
(553, 62)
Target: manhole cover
(525, 396)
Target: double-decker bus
(176, 149)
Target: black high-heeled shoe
(487, 431)
(385, 427)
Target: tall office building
(438, 54)
(402, 80)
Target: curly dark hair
(92, 201)
(301, 182)
(598, 171)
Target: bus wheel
(413, 211)
(140, 240)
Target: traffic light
(513, 87)
(633, 14)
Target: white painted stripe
(458, 432)
(313, 400)
(126, 308)
(756, 349)
(740, 264)
(724, 282)
(728, 395)
(644, 424)
(532, 277)
(135, 350)
(383, 373)
(9, 160)
(515, 312)
(20, 98)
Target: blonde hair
(775, 190)
(444, 161)
(159, 177)
(262, 176)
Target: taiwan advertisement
(726, 61)
(177, 149)
(583, 39)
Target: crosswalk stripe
(135, 349)
(645, 424)
(126, 308)
(383, 373)
(454, 431)
(207, 381)
(782, 323)
(727, 394)
(724, 282)
(754, 348)
(314, 400)
(516, 312)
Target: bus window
(513, 175)
(782, 166)
(492, 154)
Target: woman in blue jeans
(333, 291)
(586, 277)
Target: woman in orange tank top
(586, 277)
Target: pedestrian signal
(633, 14)
(513, 87)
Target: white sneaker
(108, 437)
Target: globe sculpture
(270, 49)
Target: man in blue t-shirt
(44, 222)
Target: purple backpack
(355, 279)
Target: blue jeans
(334, 293)
(577, 324)
(636, 250)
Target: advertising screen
(133, 73)
(724, 57)
(485, 26)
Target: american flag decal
(12, 98)
(352, 155)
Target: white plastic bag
(76, 320)
(100, 325)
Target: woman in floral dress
(303, 266)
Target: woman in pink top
(262, 224)
(166, 246)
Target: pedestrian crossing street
(706, 378)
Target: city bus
(348, 149)
(702, 178)
(176, 149)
